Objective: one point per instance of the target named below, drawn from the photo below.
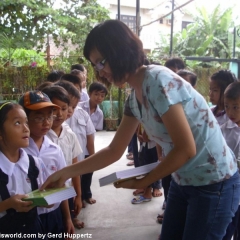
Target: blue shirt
(162, 88)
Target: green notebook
(50, 196)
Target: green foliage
(22, 57)
(208, 35)
(27, 23)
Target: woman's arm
(100, 159)
(184, 148)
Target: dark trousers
(134, 143)
(233, 228)
(166, 181)
(53, 222)
(148, 156)
(86, 181)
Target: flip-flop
(140, 199)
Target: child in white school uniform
(231, 132)
(82, 77)
(62, 135)
(19, 174)
(80, 123)
(81, 72)
(97, 93)
(39, 110)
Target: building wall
(149, 11)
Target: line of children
(97, 93)
(40, 112)
(67, 140)
(80, 123)
(19, 174)
(231, 132)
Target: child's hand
(77, 205)
(19, 205)
(69, 228)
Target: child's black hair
(72, 78)
(177, 63)
(57, 92)
(44, 85)
(232, 91)
(222, 78)
(185, 73)
(69, 87)
(78, 67)
(5, 108)
(54, 76)
(97, 86)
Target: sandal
(140, 199)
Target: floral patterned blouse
(162, 88)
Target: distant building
(150, 10)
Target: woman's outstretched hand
(56, 180)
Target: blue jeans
(200, 213)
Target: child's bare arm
(77, 186)
(69, 228)
(16, 203)
(90, 144)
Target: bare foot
(83, 204)
(138, 191)
(90, 200)
(77, 224)
(156, 193)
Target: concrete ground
(113, 216)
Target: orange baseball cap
(35, 100)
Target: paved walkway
(113, 217)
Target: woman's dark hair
(57, 92)
(192, 76)
(222, 78)
(121, 48)
(99, 87)
(79, 67)
(232, 91)
(5, 108)
(54, 76)
(69, 87)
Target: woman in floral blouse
(205, 189)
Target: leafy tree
(208, 35)
(27, 23)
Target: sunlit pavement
(113, 217)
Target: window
(130, 21)
(184, 24)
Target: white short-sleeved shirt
(53, 158)
(221, 117)
(96, 117)
(18, 181)
(231, 133)
(83, 96)
(68, 142)
(161, 88)
(82, 126)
